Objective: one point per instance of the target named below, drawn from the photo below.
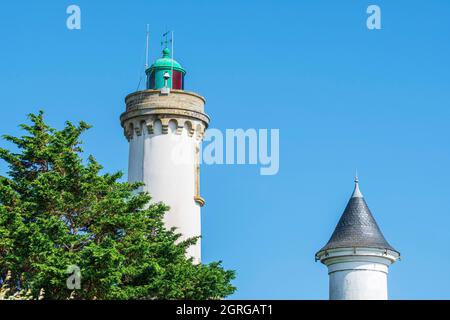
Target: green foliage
(57, 210)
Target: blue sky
(342, 96)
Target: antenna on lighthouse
(171, 79)
(147, 36)
(146, 46)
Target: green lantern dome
(155, 74)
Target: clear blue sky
(342, 96)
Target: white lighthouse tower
(164, 125)
(357, 255)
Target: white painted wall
(361, 280)
(166, 163)
(136, 159)
(358, 273)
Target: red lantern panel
(178, 80)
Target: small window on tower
(197, 171)
(197, 196)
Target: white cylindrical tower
(164, 126)
(357, 255)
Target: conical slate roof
(357, 227)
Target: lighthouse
(164, 125)
(357, 255)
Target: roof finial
(356, 192)
(165, 41)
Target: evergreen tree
(57, 210)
